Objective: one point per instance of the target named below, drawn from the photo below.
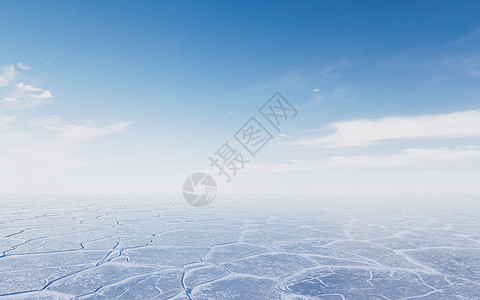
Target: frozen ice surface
(258, 247)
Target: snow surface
(255, 247)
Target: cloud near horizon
(22, 148)
(7, 75)
(368, 132)
(406, 157)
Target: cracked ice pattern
(54, 247)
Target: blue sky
(131, 97)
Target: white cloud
(461, 64)
(19, 95)
(72, 134)
(282, 136)
(29, 155)
(33, 157)
(77, 133)
(469, 37)
(331, 71)
(366, 132)
(8, 75)
(24, 96)
(316, 90)
(23, 67)
(405, 158)
(10, 140)
(471, 65)
(6, 119)
(47, 123)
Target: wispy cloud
(5, 119)
(332, 70)
(469, 37)
(7, 75)
(17, 95)
(367, 132)
(28, 153)
(24, 96)
(44, 144)
(23, 67)
(10, 139)
(471, 65)
(50, 122)
(405, 158)
(73, 134)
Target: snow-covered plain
(258, 247)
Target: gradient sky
(132, 97)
